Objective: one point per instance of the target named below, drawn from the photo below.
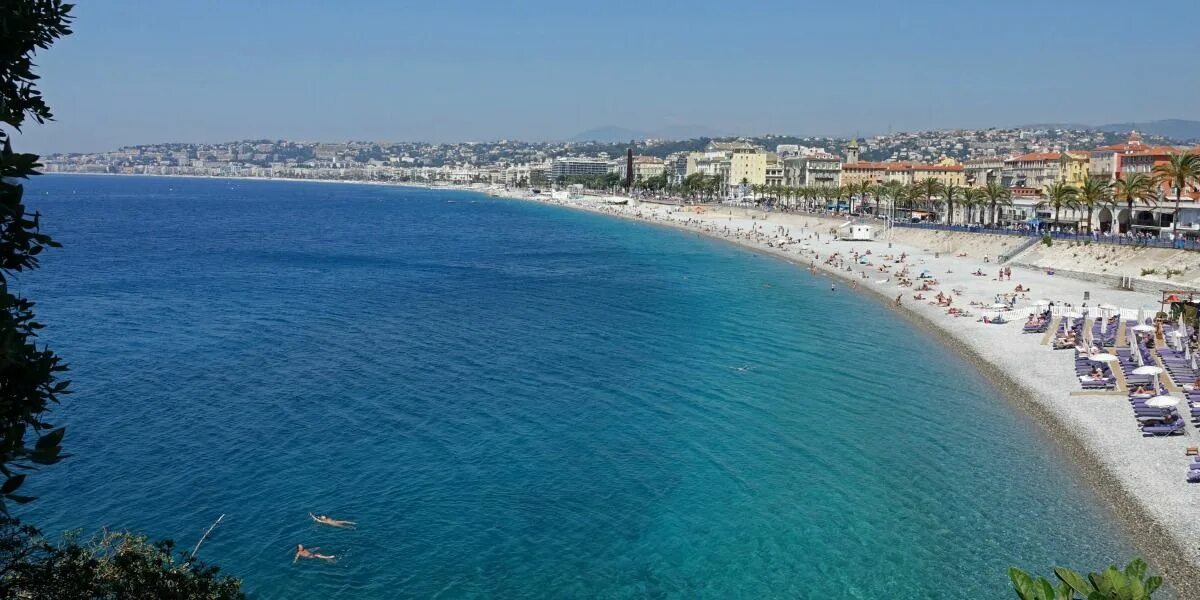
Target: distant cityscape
(1022, 160)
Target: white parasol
(1162, 402)
(1149, 370)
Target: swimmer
(302, 552)
(324, 520)
(833, 287)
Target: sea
(517, 400)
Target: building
(852, 152)
(574, 166)
(812, 170)
(1073, 167)
(1105, 162)
(677, 167)
(774, 170)
(978, 172)
(645, 167)
(945, 172)
(1039, 169)
(747, 167)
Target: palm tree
(1059, 195)
(893, 191)
(1135, 187)
(877, 191)
(996, 195)
(928, 188)
(809, 193)
(1093, 193)
(972, 198)
(1182, 170)
(861, 189)
(950, 193)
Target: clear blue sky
(445, 70)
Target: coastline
(1097, 433)
(1133, 511)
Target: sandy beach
(1142, 479)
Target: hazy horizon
(466, 71)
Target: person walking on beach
(302, 552)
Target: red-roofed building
(1105, 161)
(904, 172)
(1039, 169)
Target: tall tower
(629, 167)
(852, 151)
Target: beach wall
(952, 242)
(1147, 267)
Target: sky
(138, 72)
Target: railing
(1097, 238)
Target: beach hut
(857, 232)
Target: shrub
(108, 565)
(1109, 584)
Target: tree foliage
(118, 565)
(1109, 584)
(108, 565)
(29, 374)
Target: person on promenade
(302, 552)
(325, 520)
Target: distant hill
(1177, 129)
(609, 134)
(1181, 130)
(613, 134)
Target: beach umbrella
(1103, 357)
(1176, 335)
(1108, 307)
(1042, 302)
(1162, 402)
(1134, 351)
(1149, 370)
(999, 306)
(1141, 316)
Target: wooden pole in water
(205, 536)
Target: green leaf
(1074, 580)
(12, 483)
(51, 440)
(1022, 583)
(1153, 583)
(1136, 569)
(1047, 590)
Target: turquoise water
(519, 401)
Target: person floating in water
(324, 520)
(833, 287)
(302, 552)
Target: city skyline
(548, 71)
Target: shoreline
(1093, 432)
(1146, 532)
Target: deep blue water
(519, 401)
